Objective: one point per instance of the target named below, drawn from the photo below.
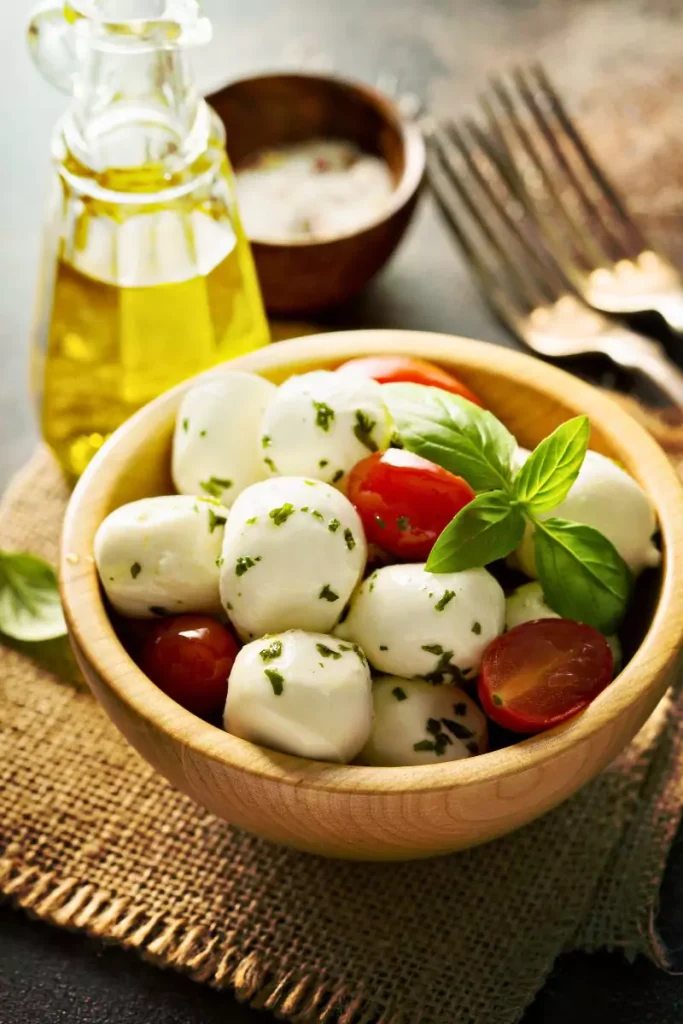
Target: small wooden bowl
(301, 277)
(376, 813)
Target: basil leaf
(452, 432)
(30, 608)
(582, 574)
(544, 480)
(490, 527)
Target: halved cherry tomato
(543, 672)
(405, 501)
(190, 657)
(404, 370)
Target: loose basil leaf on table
(454, 433)
(545, 479)
(489, 527)
(582, 574)
(30, 609)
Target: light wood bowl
(357, 812)
(272, 110)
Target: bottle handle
(53, 44)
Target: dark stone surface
(442, 49)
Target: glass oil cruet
(147, 274)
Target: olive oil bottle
(147, 274)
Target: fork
(585, 221)
(528, 289)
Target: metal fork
(526, 287)
(585, 221)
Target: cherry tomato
(403, 370)
(190, 657)
(543, 672)
(404, 501)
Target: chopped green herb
(433, 648)
(345, 647)
(327, 594)
(442, 670)
(337, 476)
(202, 433)
(323, 415)
(281, 515)
(228, 606)
(186, 424)
(360, 652)
(277, 680)
(215, 486)
(380, 522)
(273, 650)
(383, 647)
(460, 708)
(135, 570)
(350, 539)
(318, 515)
(219, 561)
(372, 580)
(156, 609)
(270, 464)
(323, 463)
(215, 520)
(476, 628)
(399, 693)
(433, 726)
(245, 562)
(304, 508)
(497, 699)
(363, 430)
(207, 501)
(250, 522)
(345, 612)
(266, 441)
(403, 523)
(444, 600)
(459, 730)
(424, 745)
(333, 525)
(311, 483)
(473, 747)
(327, 652)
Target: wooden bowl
(272, 110)
(350, 811)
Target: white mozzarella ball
(418, 723)
(217, 440)
(321, 424)
(160, 555)
(411, 622)
(605, 497)
(302, 693)
(294, 550)
(527, 603)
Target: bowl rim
(96, 642)
(412, 142)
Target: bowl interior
(531, 399)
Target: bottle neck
(136, 109)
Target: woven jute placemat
(92, 839)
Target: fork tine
(583, 243)
(543, 83)
(512, 292)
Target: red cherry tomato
(404, 501)
(190, 657)
(543, 672)
(403, 370)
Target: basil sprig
(30, 609)
(582, 574)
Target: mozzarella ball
(527, 603)
(321, 424)
(159, 556)
(418, 723)
(294, 549)
(217, 441)
(302, 693)
(411, 622)
(608, 499)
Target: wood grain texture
(376, 813)
(273, 110)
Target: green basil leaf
(490, 527)
(544, 480)
(30, 608)
(582, 574)
(453, 433)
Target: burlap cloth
(91, 838)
